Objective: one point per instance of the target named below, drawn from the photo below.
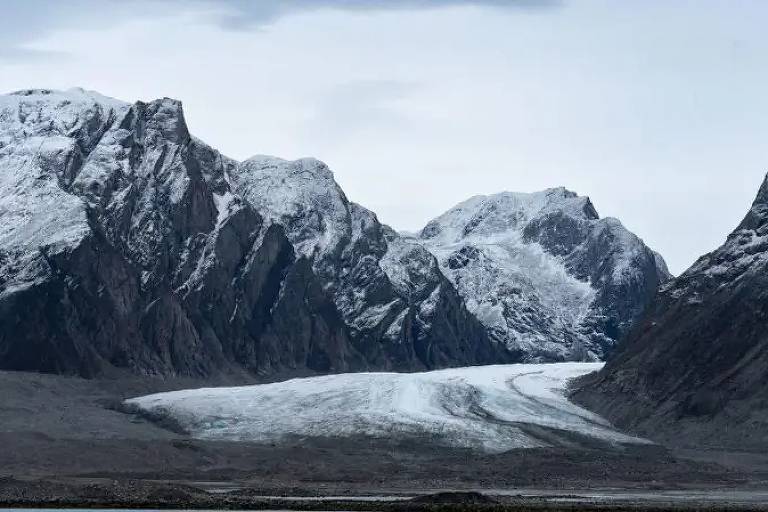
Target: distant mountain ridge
(126, 244)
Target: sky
(656, 109)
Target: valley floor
(67, 439)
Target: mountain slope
(126, 243)
(544, 274)
(694, 368)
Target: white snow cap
(301, 192)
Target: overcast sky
(658, 110)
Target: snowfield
(493, 408)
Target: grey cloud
(248, 13)
(26, 20)
(23, 21)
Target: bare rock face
(127, 244)
(543, 273)
(694, 367)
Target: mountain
(491, 408)
(400, 310)
(543, 273)
(694, 368)
(126, 244)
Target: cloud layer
(655, 109)
(247, 13)
(25, 20)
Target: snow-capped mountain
(127, 243)
(694, 367)
(493, 408)
(544, 274)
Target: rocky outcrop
(545, 275)
(694, 368)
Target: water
(709, 497)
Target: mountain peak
(67, 100)
(506, 212)
(306, 166)
(303, 190)
(758, 214)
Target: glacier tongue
(484, 407)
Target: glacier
(489, 408)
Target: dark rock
(454, 498)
